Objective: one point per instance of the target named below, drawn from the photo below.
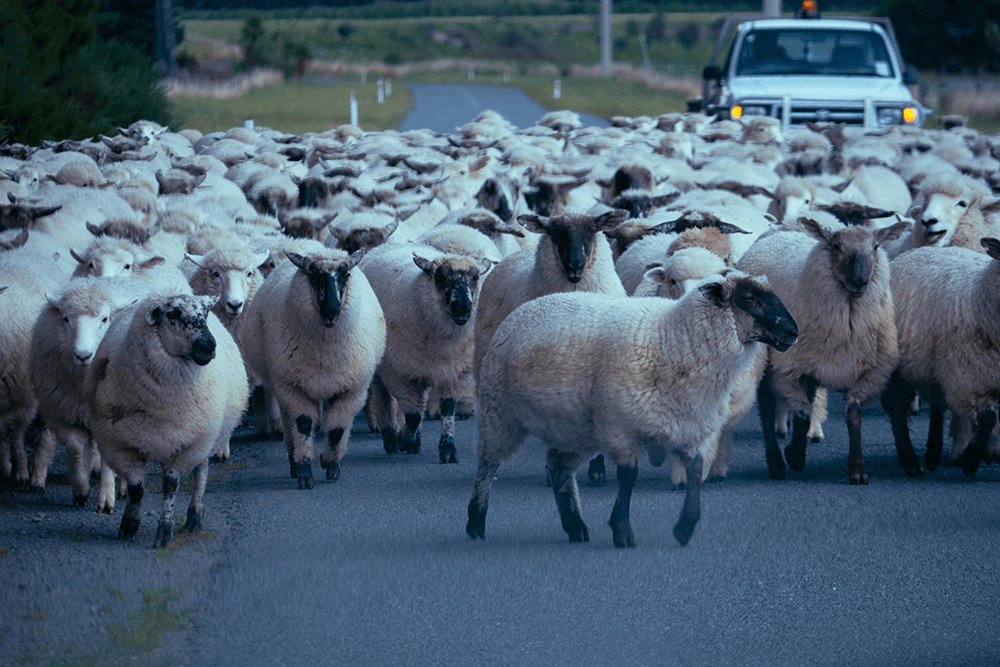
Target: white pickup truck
(812, 70)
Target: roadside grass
(296, 107)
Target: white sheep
(836, 285)
(589, 373)
(429, 299)
(63, 343)
(167, 384)
(231, 272)
(947, 300)
(314, 335)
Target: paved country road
(443, 107)
(375, 569)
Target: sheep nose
(929, 222)
(84, 357)
(234, 306)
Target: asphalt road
(375, 569)
(443, 107)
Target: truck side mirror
(712, 72)
(910, 77)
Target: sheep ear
(154, 315)
(992, 246)
(76, 256)
(3, 288)
(94, 229)
(611, 219)
(815, 229)
(535, 223)
(656, 273)
(261, 257)
(425, 264)
(727, 228)
(298, 260)
(355, 258)
(484, 265)
(990, 205)
(891, 233)
(155, 260)
(717, 293)
(197, 260)
(209, 301)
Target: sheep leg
(767, 403)
(896, 399)
(817, 415)
(44, 454)
(79, 469)
(16, 461)
(165, 531)
(130, 519)
(303, 452)
(106, 491)
(855, 457)
(621, 527)
(720, 466)
(596, 472)
(196, 510)
(289, 438)
(381, 415)
(935, 438)
(562, 472)
(411, 436)
(446, 447)
(961, 435)
(691, 512)
(486, 471)
(336, 447)
(795, 452)
(973, 454)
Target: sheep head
(456, 279)
(499, 196)
(572, 237)
(181, 323)
(853, 251)
(943, 204)
(230, 273)
(328, 277)
(19, 214)
(759, 314)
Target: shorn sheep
(168, 385)
(314, 334)
(947, 304)
(588, 373)
(836, 285)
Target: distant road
(442, 107)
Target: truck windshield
(823, 52)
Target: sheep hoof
(578, 532)
(305, 473)
(464, 410)
(81, 500)
(970, 462)
(129, 525)
(796, 457)
(215, 458)
(105, 508)
(859, 478)
(596, 472)
(293, 470)
(623, 535)
(683, 531)
(193, 524)
(410, 445)
(332, 469)
(717, 477)
(390, 442)
(164, 533)
(36, 488)
(914, 471)
(447, 451)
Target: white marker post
(381, 90)
(364, 77)
(388, 87)
(506, 74)
(472, 73)
(354, 109)
(248, 123)
(557, 89)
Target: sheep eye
(91, 265)
(105, 320)
(65, 319)
(215, 274)
(128, 267)
(962, 203)
(249, 274)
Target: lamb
(836, 285)
(231, 272)
(314, 334)
(430, 300)
(63, 342)
(589, 372)
(946, 314)
(950, 211)
(167, 384)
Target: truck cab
(812, 70)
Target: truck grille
(803, 112)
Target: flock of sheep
(621, 292)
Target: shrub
(345, 29)
(657, 28)
(689, 34)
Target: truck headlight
(738, 111)
(890, 116)
(910, 115)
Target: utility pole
(771, 9)
(605, 38)
(164, 59)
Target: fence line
(221, 89)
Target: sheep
(108, 257)
(167, 384)
(836, 285)
(233, 273)
(950, 211)
(589, 372)
(946, 303)
(27, 278)
(314, 335)
(429, 299)
(64, 340)
(362, 230)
